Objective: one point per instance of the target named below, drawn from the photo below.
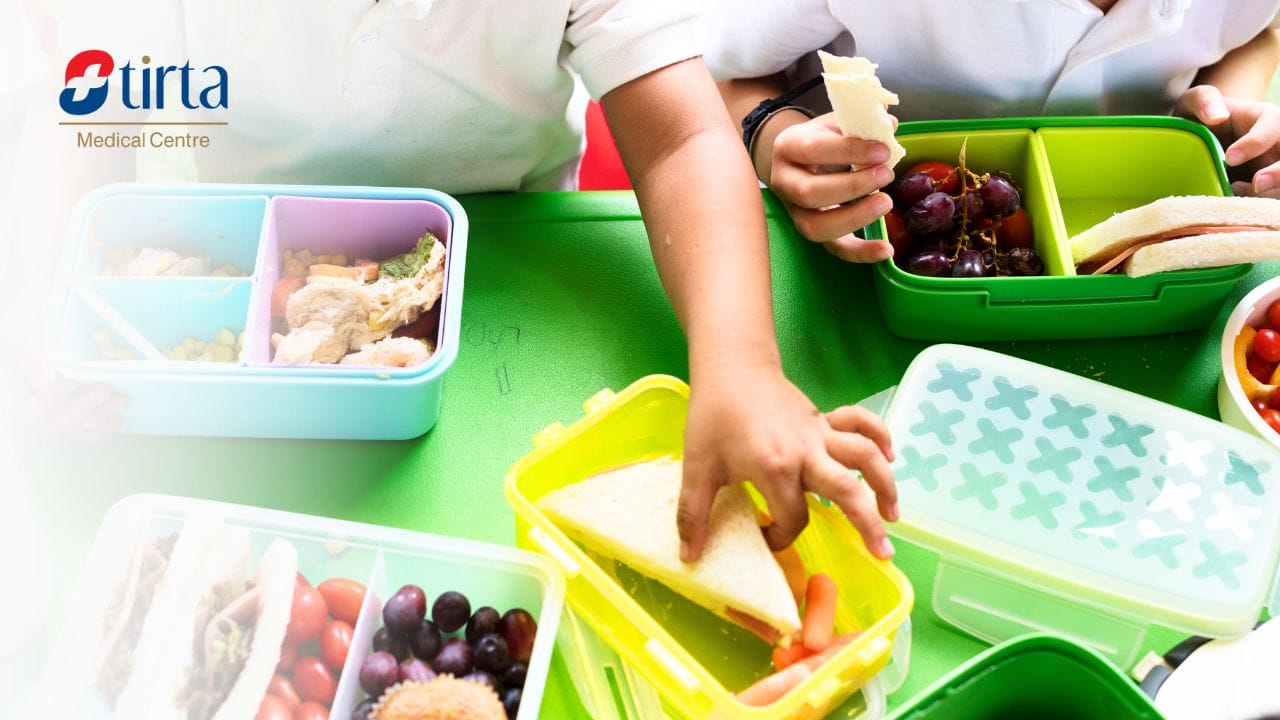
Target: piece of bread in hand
(859, 101)
(1179, 233)
(629, 514)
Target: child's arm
(805, 163)
(705, 221)
(1227, 97)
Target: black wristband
(756, 118)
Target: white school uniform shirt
(985, 58)
(456, 95)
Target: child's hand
(809, 172)
(1250, 129)
(757, 426)
(51, 404)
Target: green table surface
(561, 300)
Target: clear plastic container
(122, 330)
(1061, 504)
(692, 659)
(382, 559)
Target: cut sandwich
(1178, 233)
(859, 101)
(629, 515)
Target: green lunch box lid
(1095, 493)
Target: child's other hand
(1250, 130)
(810, 173)
(51, 404)
(757, 426)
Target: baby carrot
(819, 621)
(785, 657)
(793, 570)
(769, 689)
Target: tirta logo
(89, 76)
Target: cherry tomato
(314, 680)
(1014, 231)
(273, 708)
(288, 656)
(1261, 404)
(283, 689)
(945, 177)
(311, 711)
(1275, 400)
(1259, 368)
(308, 614)
(335, 641)
(343, 598)
(1273, 314)
(1266, 344)
(897, 234)
(1272, 418)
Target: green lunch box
(1073, 172)
(1035, 676)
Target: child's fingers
(1266, 182)
(810, 190)
(1263, 136)
(785, 496)
(857, 419)
(832, 223)
(852, 248)
(857, 451)
(1203, 103)
(838, 484)
(697, 493)
(809, 145)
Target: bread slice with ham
(1180, 233)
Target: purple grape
(483, 622)
(519, 630)
(970, 207)
(931, 215)
(910, 189)
(378, 672)
(455, 658)
(425, 641)
(969, 264)
(931, 263)
(511, 702)
(364, 710)
(1024, 261)
(451, 611)
(999, 196)
(386, 641)
(484, 678)
(491, 654)
(405, 609)
(416, 670)
(515, 675)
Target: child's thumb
(1203, 103)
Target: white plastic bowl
(1233, 407)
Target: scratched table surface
(562, 300)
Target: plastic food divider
(1062, 504)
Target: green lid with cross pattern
(1081, 491)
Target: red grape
(378, 672)
(931, 263)
(519, 629)
(999, 196)
(1024, 261)
(910, 189)
(405, 609)
(933, 214)
(455, 658)
(451, 611)
(969, 264)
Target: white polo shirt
(457, 95)
(985, 58)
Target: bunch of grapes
(952, 222)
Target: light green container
(1036, 676)
(1060, 504)
(1073, 172)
